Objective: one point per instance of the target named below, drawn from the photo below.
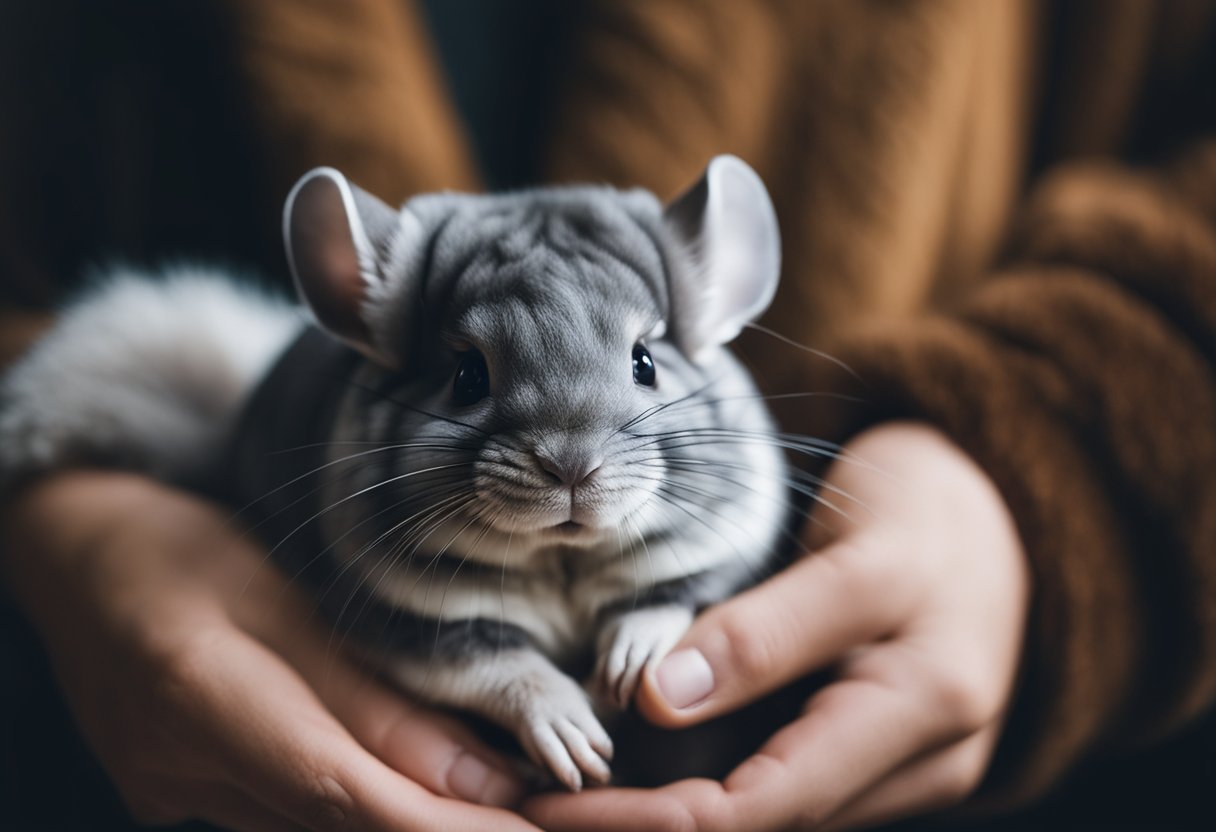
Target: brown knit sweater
(960, 229)
(1000, 214)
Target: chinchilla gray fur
(142, 371)
(545, 452)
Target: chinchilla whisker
(502, 595)
(792, 441)
(389, 561)
(694, 441)
(620, 553)
(443, 600)
(772, 397)
(793, 437)
(816, 484)
(360, 493)
(301, 498)
(699, 438)
(412, 539)
(267, 557)
(797, 487)
(433, 561)
(817, 353)
(422, 516)
(805, 492)
(510, 443)
(455, 493)
(390, 554)
(443, 551)
(407, 547)
(759, 436)
(330, 464)
(270, 516)
(381, 443)
(659, 408)
(645, 548)
(676, 467)
(675, 501)
(404, 406)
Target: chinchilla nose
(566, 463)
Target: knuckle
(867, 573)
(958, 779)
(175, 688)
(677, 818)
(964, 701)
(861, 562)
(183, 666)
(753, 652)
(809, 817)
(326, 804)
(181, 671)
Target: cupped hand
(916, 594)
(205, 687)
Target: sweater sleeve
(1082, 378)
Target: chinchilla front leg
(521, 690)
(631, 641)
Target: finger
(432, 749)
(435, 750)
(937, 781)
(688, 805)
(278, 742)
(853, 733)
(230, 808)
(801, 619)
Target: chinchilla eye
(472, 382)
(643, 366)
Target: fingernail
(472, 780)
(685, 678)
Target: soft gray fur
(572, 506)
(141, 373)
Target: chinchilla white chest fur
(511, 441)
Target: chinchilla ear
(728, 255)
(339, 240)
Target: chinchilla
(510, 454)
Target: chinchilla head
(545, 366)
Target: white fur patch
(142, 372)
(522, 691)
(633, 642)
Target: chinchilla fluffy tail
(144, 372)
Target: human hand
(918, 598)
(204, 688)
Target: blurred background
(897, 139)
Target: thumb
(805, 617)
(430, 748)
